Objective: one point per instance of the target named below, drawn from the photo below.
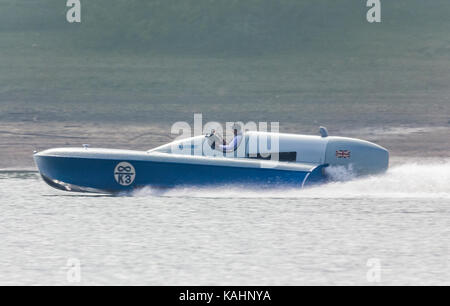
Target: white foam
(410, 180)
(340, 173)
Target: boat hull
(115, 175)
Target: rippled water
(220, 236)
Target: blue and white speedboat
(261, 159)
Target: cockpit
(252, 145)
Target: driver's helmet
(237, 126)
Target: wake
(409, 180)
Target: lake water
(398, 223)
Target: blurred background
(132, 68)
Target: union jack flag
(343, 154)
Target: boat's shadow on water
(80, 196)
(194, 193)
(160, 192)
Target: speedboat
(261, 159)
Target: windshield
(184, 146)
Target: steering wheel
(213, 138)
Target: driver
(232, 146)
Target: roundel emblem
(124, 173)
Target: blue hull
(101, 175)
